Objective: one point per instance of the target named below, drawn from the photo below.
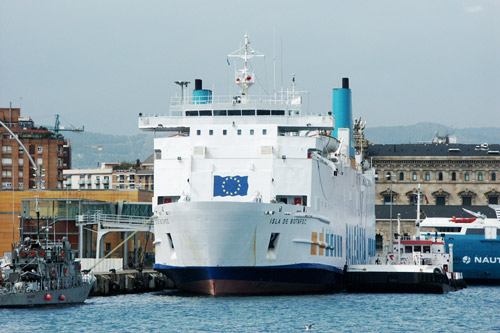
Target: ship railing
(282, 97)
(96, 217)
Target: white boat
(254, 196)
(414, 265)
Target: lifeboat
(463, 219)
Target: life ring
(32, 254)
(22, 254)
(41, 254)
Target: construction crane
(58, 128)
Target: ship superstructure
(476, 242)
(255, 197)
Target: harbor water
(474, 308)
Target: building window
(251, 132)
(239, 132)
(480, 176)
(6, 161)
(414, 177)
(401, 176)
(379, 242)
(466, 201)
(427, 176)
(440, 201)
(59, 161)
(6, 174)
(493, 176)
(440, 176)
(20, 185)
(466, 176)
(21, 174)
(6, 185)
(20, 162)
(387, 199)
(388, 176)
(7, 149)
(39, 149)
(453, 176)
(39, 161)
(492, 200)
(198, 132)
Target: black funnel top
(198, 84)
(345, 82)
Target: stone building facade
(448, 173)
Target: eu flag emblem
(230, 186)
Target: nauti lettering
(487, 260)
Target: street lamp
(389, 177)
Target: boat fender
(62, 298)
(48, 297)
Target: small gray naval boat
(36, 275)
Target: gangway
(107, 223)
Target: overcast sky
(100, 63)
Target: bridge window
(251, 132)
(198, 132)
(263, 112)
(224, 132)
(234, 113)
(248, 112)
(239, 132)
(278, 112)
(211, 132)
(205, 113)
(191, 113)
(264, 132)
(220, 113)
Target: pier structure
(107, 223)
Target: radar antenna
(244, 78)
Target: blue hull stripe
(298, 273)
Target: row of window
(8, 174)
(8, 149)
(441, 200)
(195, 113)
(440, 177)
(224, 132)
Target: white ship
(254, 196)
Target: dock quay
(129, 282)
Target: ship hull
(39, 298)
(265, 280)
(236, 248)
(476, 257)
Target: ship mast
(244, 78)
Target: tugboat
(418, 265)
(36, 275)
